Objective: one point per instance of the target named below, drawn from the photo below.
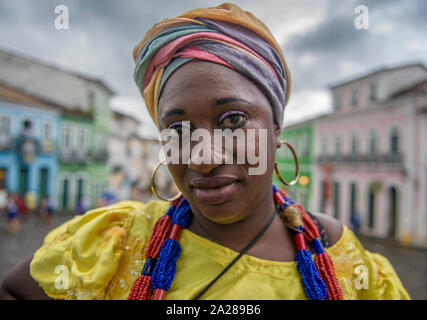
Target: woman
(216, 68)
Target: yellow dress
(99, 255)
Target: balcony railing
(47, 146)
(81, 157)
(396, 158)
(16, 143)
(99, 155)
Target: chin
(227, 212)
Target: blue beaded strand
(182, 214)
(165, 268)
(313, 285)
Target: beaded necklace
(318, 277)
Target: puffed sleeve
(364, 275)
(79, 258)
(387, 285)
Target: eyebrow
(173, 112)
(218, 102)
(230, 99)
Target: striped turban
(226, 35)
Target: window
(324, 147)
(66, 138)
(5, 133)
(47, 131)
(394, 141)
(354, 146)
(354, 96)
(337, 101)
(27, 127)
(372, 143)
(82, 138)
(4, 126)
(373, 91)
(337, 146)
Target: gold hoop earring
(276, 168)
(153, 189)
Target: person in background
(46, 211)
(80, 208)
(355, 221)
(13, 224)
(21, 206)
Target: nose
(206, 156)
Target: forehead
(201, 83)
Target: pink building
(371, 154)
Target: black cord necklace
(241, 253)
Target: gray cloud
(339, 50)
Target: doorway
(393, 211)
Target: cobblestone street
(19, 246)
(409, 263)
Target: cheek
(260, 147)
(177, 172)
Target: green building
(300, 136)
(83, 143)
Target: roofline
(125, 115)
(42, 101)
(305, 121)
(57, 68)
(408, 89)
(381, 69)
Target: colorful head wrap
(226, 35)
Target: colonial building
(83, 105)
(28, 145)
(371, 157)
(125, 155)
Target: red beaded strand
(142, 288)
(323, 261)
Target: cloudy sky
(319, 39)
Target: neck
(235, 235)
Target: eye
(233, 119)
(179, 126)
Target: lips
(215, 190)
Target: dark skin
(201, 93)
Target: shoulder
(334, 229)
(89, 248)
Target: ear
(277, 131)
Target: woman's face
(211, 96)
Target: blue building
(28, 148)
